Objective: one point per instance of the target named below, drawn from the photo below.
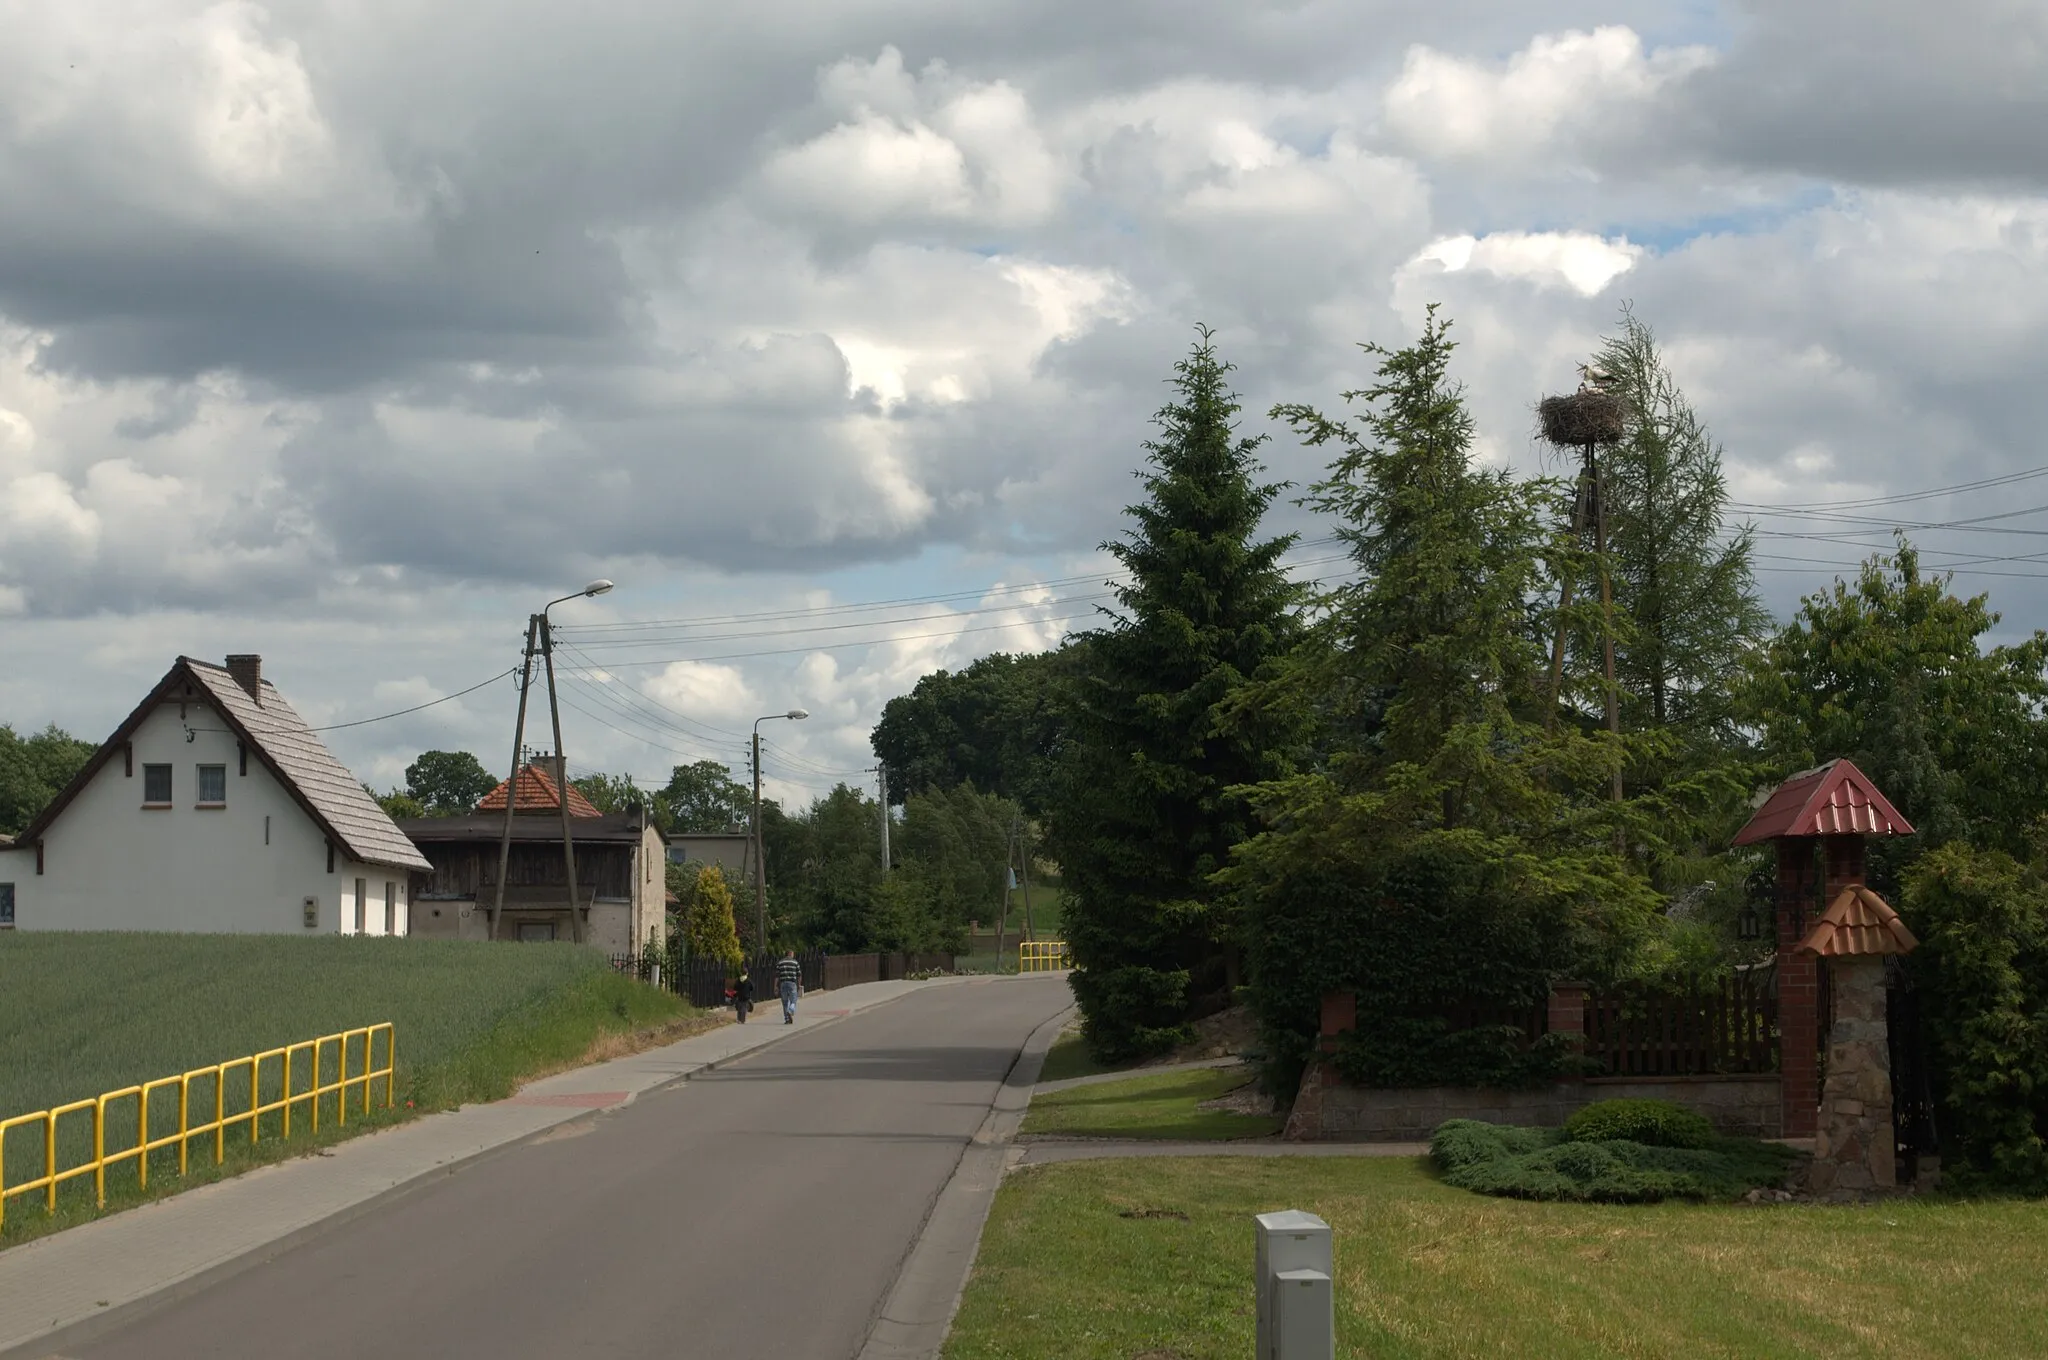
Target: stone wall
(1328, 1109)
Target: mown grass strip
(1162, 1106)
(1091, 1261)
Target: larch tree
(1141, 811)
(1682, 577)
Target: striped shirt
(788, 970)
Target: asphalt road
(759, 1211)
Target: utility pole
(760, 859)
(1022, 834)
(547, 651)
(512, 780)
(882, 775)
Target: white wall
(111, 864)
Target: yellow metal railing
(1043, 956)
(287, 1099)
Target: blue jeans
(788, 998)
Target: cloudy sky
(352, 332)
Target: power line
(386, 717)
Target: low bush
(1654, 1123)
(1520, 1163)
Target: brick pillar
(1798, 992)
(1340, 1013)
(1568, 1011)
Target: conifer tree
(1682, 583)
(1142, 813)
(708, 924)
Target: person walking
(743, 996)
(789, 981)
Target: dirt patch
(1153, 1213)
(1222, 1035)
(1246, 1099)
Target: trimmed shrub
(1521, 1163)
(1653, 1123)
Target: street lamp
(540, 636)
(760, 859)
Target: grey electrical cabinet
(1295, 1285)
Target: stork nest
(1583, 418)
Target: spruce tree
(1682, 582)
(1142, 813)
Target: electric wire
(386, 717)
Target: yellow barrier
(218, 1126)
(1043, 956)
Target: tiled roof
(1858, 922)
(1835, 800)
(488, 828)
(537, 793)
(309, 769)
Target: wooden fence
(1728, 1025)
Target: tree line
(1400, 779)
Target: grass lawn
(1069, 1057)
(1161, 1106)
(86, 1013)
(1092, 1260)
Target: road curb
(83, 1329)
(918, 1310)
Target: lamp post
(540, 637)
(760, 857)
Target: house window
(156, 786)
(6, 906)
(213, 786)
(390, 908)
(536, 932)
(362, 906)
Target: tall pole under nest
(1585, 420)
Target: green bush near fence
(1548, 1164)
(81, 1014)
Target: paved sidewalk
(182, 1242)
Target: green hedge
(1522, 1163)
(1653, 1123)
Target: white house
(213, 808)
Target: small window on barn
(213, 786)
(6, 906)
(156, 786)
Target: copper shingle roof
(537, 793)
(1835, 800)
(1858, 922)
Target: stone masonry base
(1328, 1109)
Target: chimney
(552, 767)
(247, 668)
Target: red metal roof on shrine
(537, 793)
(1835, 800)
(1858, 923)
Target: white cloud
(1560, 84)
(1575, 260)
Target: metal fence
(1044, 956)
(213, 1082)
(702, 981)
